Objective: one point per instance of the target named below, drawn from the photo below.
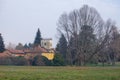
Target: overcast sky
(20, 19)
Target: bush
(20, 61)
(13, 61)
(58, 60)
(5, 61)
(38, 61)
(47, 62)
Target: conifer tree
(20, 46)
(63, 46)
(87, 42)
(26, 46)
(2, 46)
(38, 38)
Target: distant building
(16, 53)
(46, 43)
(29, 53)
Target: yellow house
(49, 56)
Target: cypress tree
(38, 38)
(26, 46)
(2, 46)
(63, 46)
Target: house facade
(46, 43)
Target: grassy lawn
(59, 73)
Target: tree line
(38, 60)
(86, 38)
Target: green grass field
(59, 73)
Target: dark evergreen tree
(87, 42)
(86, 36)
(2, 46)
(73, 52)
(19, 46)
(30, 45)
(57, 47)
(38, 38)
(58, 60)
(26, 46)
(38, 61)
(63, 46)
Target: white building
(46, 43)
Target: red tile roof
(34, 50)
(5, 54)
(16, 51)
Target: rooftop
(47, 39)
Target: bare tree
(113, 45)
(70, 25)
(10, 46)
(103, 39)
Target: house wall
(46, 43)
(49, 56)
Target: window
(45, 44)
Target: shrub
(38, 61)
(5, 61)
(47, 62)
(58, 60)
(20, 61)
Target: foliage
(30, 45)
(2, 46)
(62, 47)
(87, 42)
(57, 47)
(26, 46)
(58, 60)
(10, 46)
(19, 61)
(38, 61)
(47, 62)
(20, 46)
(38, 38)
(86, 34)
(5, 61)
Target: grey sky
(20, 19)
